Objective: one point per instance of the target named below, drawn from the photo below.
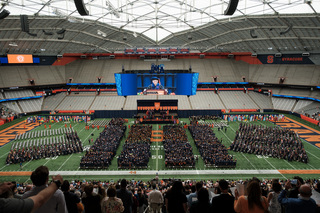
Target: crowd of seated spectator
(105, 146)
(315, 115)
(27, 153)
(274, 142)
(178, 151)
(212, 151)
(267, 195)
(136, 150)
(195, 118)
(5, 113)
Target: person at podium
(155, 84)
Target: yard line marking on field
(157, 151)
(4, 154)
(72, 153)
(310, 152)
(289, 164)
(268, 161)
(47, 161)
(311, 166)
(89, 134)
(26, 163)
(263, 158)
(306, 151)
(82, 129)
(305, 142)
(3, 167)
(240, 152)
(232, 128)
(65, 162)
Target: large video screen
(171, 83)
(19, 59)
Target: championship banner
(19, 59)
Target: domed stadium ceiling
(56, 27)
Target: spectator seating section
(237, 100)
(12, 76)
(84, 71)
(51, 102)
(263, 101)
(32, 105)
(301, 104)
(283, 103)
(206, 100)
(76, 103)
(314, 107)
(131, 101)
(298, 75)
(12, 105)
(19, 94)
(108, 103)
(183, 101)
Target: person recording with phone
(296, 182)
(304, 202)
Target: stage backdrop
(178, 83)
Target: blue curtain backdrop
(184, 82)
(129, 84)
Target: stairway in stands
(157, 136)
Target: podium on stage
(155, 92)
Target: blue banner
(184, 84)
(296, 97)
(19, 99)
(219, 83)
(117, 77)
(195, 77)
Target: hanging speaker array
(82, 10)
(24, 23)
(4, 14)
(232, 6)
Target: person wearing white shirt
(155, 200)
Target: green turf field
(156, 163)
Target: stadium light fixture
(13, 44)
(112, 9)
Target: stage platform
(157, 118)
(155, 121)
